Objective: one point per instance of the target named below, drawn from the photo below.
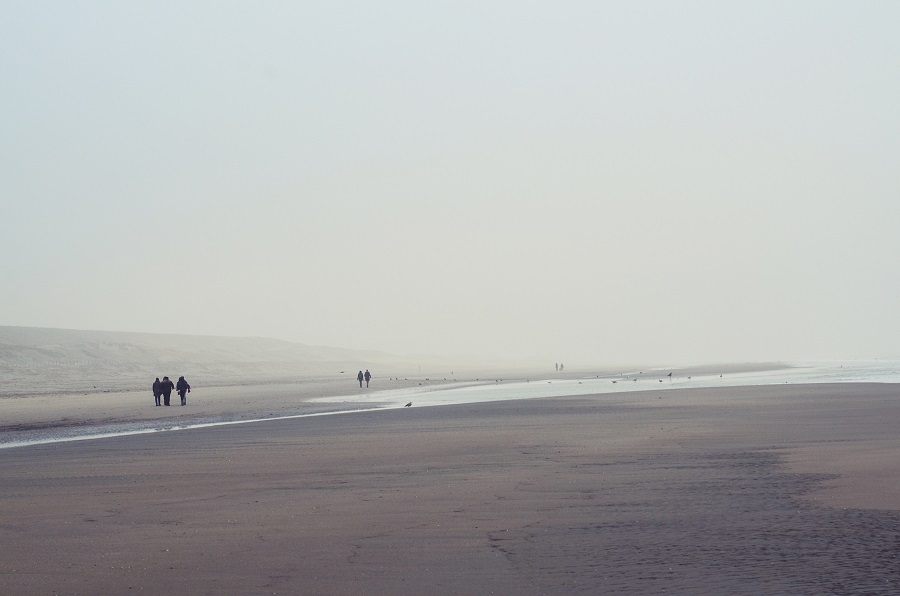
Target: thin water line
(176, 427)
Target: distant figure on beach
(560, 367)
(360, 378)
(183, 389)
(166, 388)
(157, 390)
(557, 366)
(367, 377)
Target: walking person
(183, 389)
(367, 377)
(157, 390)
(166, 388)
(359, 378)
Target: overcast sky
(586, 182)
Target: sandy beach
(622, 273)
(236, 402)
(753, 490)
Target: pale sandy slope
(54, 361)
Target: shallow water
(860, 372)
(459, 393)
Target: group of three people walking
(164, 389)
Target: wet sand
(766, 490)
(25, 417)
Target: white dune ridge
(36, 361)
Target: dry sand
(768, 490)
(23, 414)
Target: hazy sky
(586, 182)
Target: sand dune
(36, 361)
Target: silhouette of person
(360, 378)
(157, 390)
(556, 366)
(560, 367)
(183, 388)
(166, 388)
(367, 377)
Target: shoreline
(51, 386)
(241, 399)
(64, 417)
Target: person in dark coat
(157, 390)
(166, 388)
(367, 377)
(183, 389)
(359, 378)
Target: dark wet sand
(725, 491)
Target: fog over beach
(600, 184)
(624, 276)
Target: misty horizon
(608, 184)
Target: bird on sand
(407, 405)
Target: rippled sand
(687, 491)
